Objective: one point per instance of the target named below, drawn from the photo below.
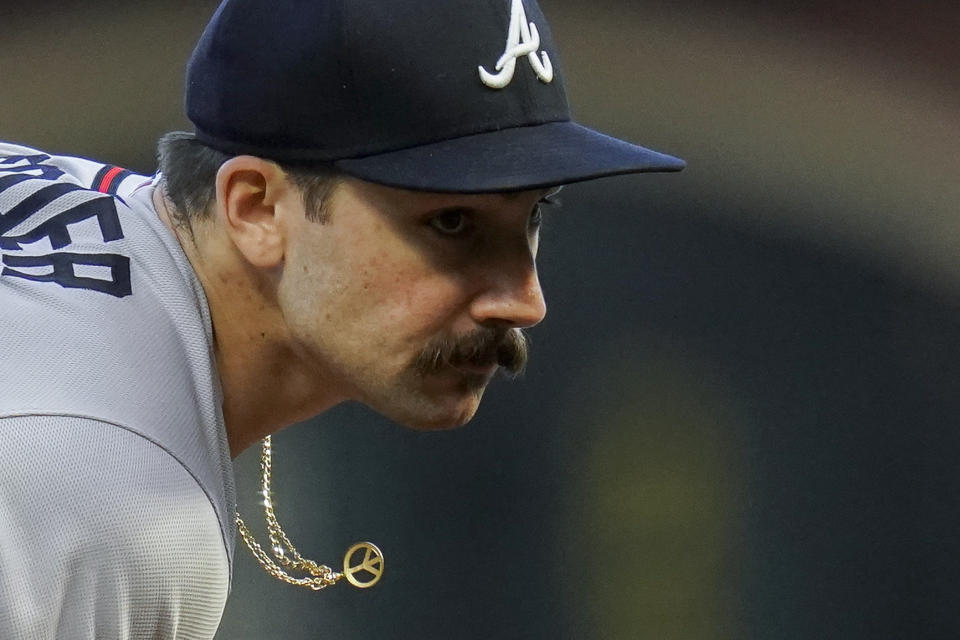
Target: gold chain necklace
(320, 576)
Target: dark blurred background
(740, 420)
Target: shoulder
(103, 316)
(97, 300)
(60, 220)
(96, 523)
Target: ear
(248, 189)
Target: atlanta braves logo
(523, 39)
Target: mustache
(508, 348)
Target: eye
(450, 223)
(536, 217)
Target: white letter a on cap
(523, 39)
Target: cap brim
(516, 159)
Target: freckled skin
(364, 292)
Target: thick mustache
(505, 347)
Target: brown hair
(189, 170)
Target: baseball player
(354, 217)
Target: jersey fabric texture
(116, 485)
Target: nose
(513, 298)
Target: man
(355, 218)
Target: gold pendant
(370, 565)
(320, 576)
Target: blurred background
(740, 419)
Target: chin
(433, 414)
(439, 420)
(431, 404)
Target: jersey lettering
(31, 216)
(30, 164)
(64, 271)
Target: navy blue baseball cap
(456, 96)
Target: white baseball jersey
(116, 485)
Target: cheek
(412, 302)
(379, 295)
(405, 290)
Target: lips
(484, 365)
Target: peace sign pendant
(365, 572)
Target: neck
(267, 385)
